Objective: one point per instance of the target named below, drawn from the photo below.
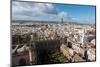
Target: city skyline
(53, 12)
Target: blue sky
(52, 12)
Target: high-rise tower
(61, 20)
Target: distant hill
(31, 21)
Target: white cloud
(38, 8)
(44, 8)
(30, 10)
(62, 14)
